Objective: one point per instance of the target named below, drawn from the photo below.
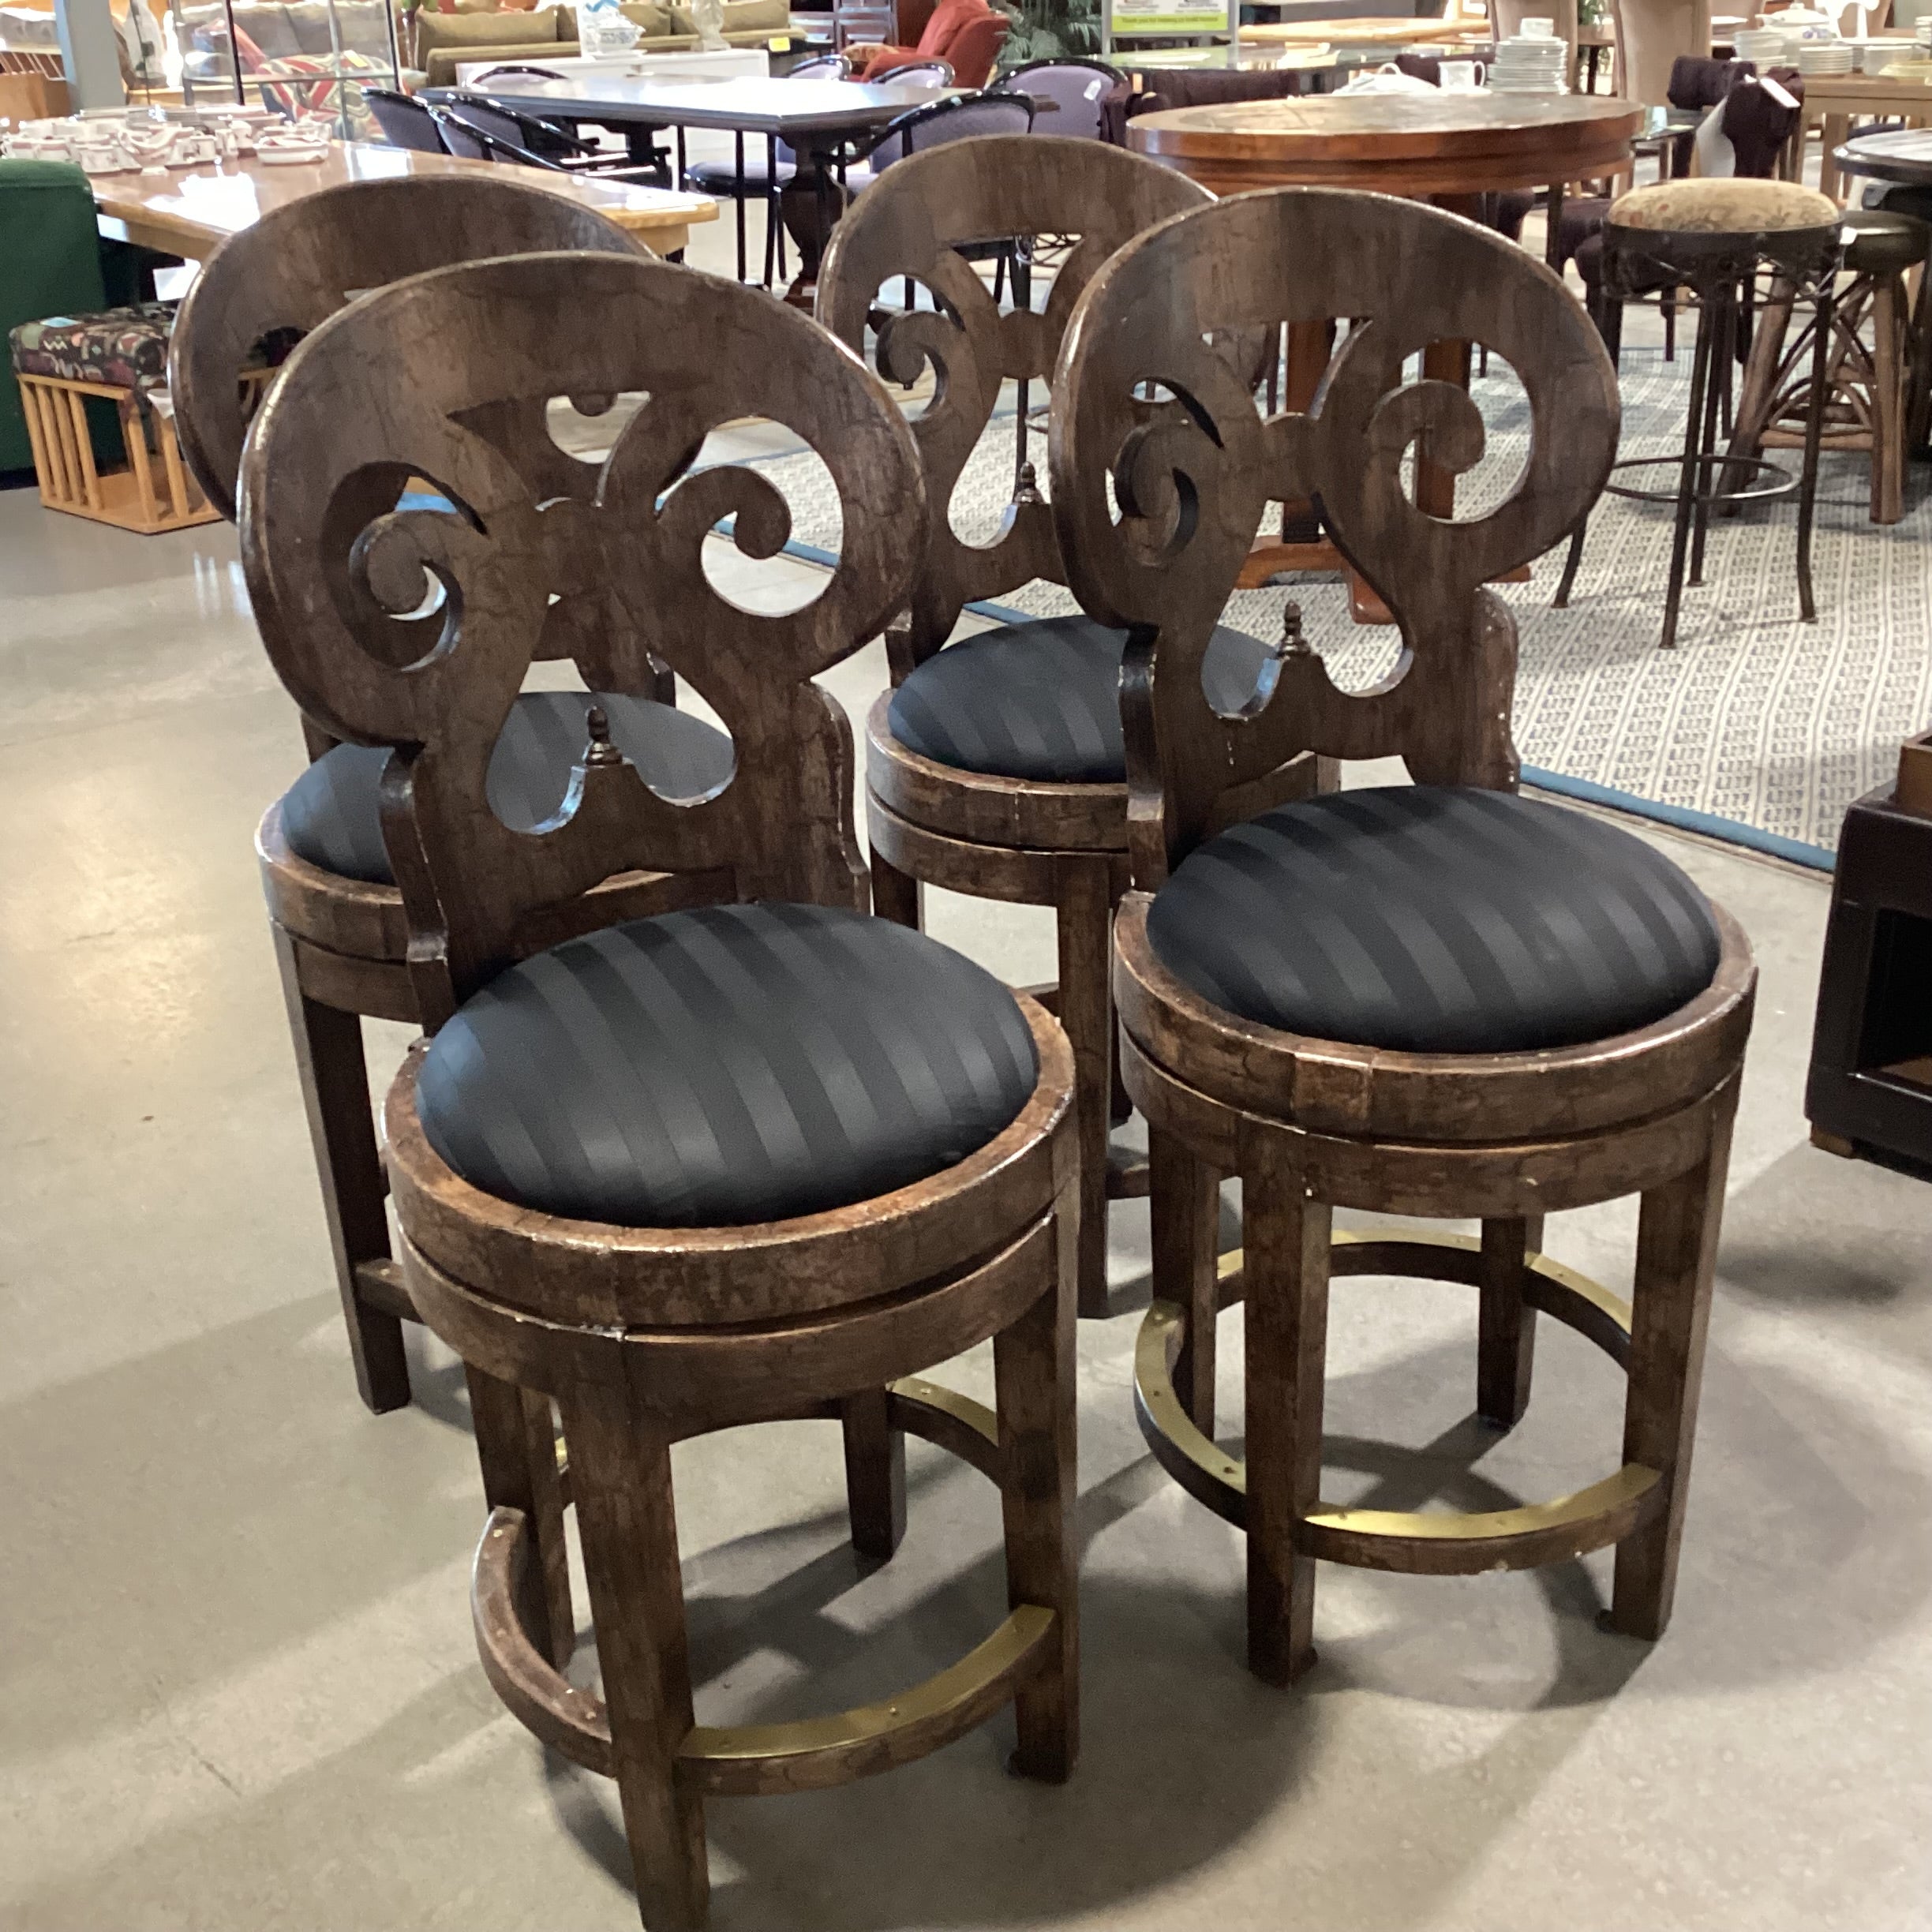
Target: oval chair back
(963, 116)
(914, 222)
(288, 273)
(1079, 90)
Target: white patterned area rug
(1757, 729)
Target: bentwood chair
(994, 766)
(1440, 999)
(693, 1141)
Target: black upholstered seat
(1042, 700)
(1432, 919)
(732, 1065)
(331, 818)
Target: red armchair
(966, 34)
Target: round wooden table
(1449, 148)
(1440, 146)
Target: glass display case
(307, 57)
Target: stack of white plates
(1523, 65)
(1764, 46)
(1824, 57)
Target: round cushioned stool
(1441, 1000)
(996, 767)
(693, 1141)
(334, 911)
(1712, 236)
(1872, 393)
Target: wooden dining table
(190, 212)
(1445, 148)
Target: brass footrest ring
(1441, 1543)
(810, 1753)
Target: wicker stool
(1712, 236)
(120, 356)
(1867, 398)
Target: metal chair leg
(1815, 425)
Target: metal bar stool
(1712, 236)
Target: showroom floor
(238, 1686)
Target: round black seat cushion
(1042, 700)
(1431, 919)
(1883, 240)
(736, 1064)
(332, 815)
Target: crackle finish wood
(1310, 1124)
(341, 943)
(642, 1336)
(1023, 841)
(1433, 143)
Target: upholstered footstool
(120, 356)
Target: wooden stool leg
(342, 1129)
(516, 1446)
(875, 1494)
(1889, 362)
(620, 1474)
(895, 895)
(1086, 1010)
(1676, 1261)
(1919, 410)
(1285, 1240)
(1184, 1202)
(1505, 1347)
(1033, 1371)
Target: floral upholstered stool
(120, 355)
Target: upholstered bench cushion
(121, 348)
(1436, 920)
(1042, 700)
(331, 816)
(732, 1064)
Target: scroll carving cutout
(910, 223)
(419, 380)
(1191, 480)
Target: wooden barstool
(678, 1169)
(334, 910)
(994, 766)
(1868, 403)
(1439, 1000)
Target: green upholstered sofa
(440, 41)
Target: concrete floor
(238, 1686)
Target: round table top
(1436, 143)
(1904, 154)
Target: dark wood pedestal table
(1448, 148)
(816, 119)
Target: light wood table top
(192, 212)
(1423, 144)
(1365, 31)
